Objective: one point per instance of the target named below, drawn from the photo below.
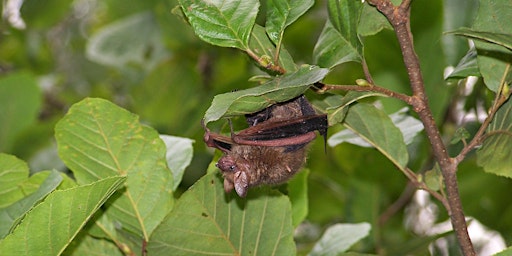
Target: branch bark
(399, 17)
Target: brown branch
(370, 88)
(399, 17)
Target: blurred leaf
(339, 238)
(21, 100)
(97, 139)
(44, 14)
(455, 47)
(467, 66)
(460, 134)
(53, 224)
(13, 172)
(493, 59)
(500, 39)
(434, 178)
(226, 24)
(206, 221)
(262, 46)
(280, 14)
(179, 154)
(372, 21)
(282, 88)
(378, 130)
(298, 194)
(495, 155)
(132, 40)
(506, 252)
(11, 215)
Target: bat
(272, 149)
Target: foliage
(90, 88)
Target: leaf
(372, 21)
(339, 43)
(179, 155)
(493, 59)
(11, 215)
(282, 88)
(495, 155)
(280, 14)
(337, 106)
(15, 114)
(135, 39)
(339, 238)
(206, 221)
(262, 46)
(500, 39)
(97, 139)
(51, 226)
(298, 194)
(13, 172)
(467, 66)
(222, 23)
(379, 131)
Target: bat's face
(272, 149)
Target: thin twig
(370, 88)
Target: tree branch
(399, 17)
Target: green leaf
(262, 46)
(13, 172)
(339, 238)
(206, 221)
(179, 154)
(51, 226)
(467, 66)
(97, 139)
(282, 88)
(11, 215)
(282, 13)
(495, 155)
(378, 130)
(222, 23)
(136, 39)
(339, 42)
(298, 194)
(333, 49)
(372, 21)
(506, 252)
(336, 106)
(500, 39)
(493, 59)
(16, 114)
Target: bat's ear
(241, 181)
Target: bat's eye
(232, 168)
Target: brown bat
(272, 149)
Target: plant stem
(399, 17)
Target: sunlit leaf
(282, 88)
(97, 139)
(207, 221)
(222, 23)
(282, 13)
(339, 238)
(53, 224)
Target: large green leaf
(98, 139)
(282, 88)
(136, 39)
(282, 13)
(206, 221)
(372, 21)
(20, 99)
(493, 59)
(222, 23)
(495, 155)
(13, 172)
(51, 226)
(377, 129)
(179, 154)
(504, 40)
(11, 215)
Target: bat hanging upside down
(272, 149)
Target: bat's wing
(220, 142)
(283, 133)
